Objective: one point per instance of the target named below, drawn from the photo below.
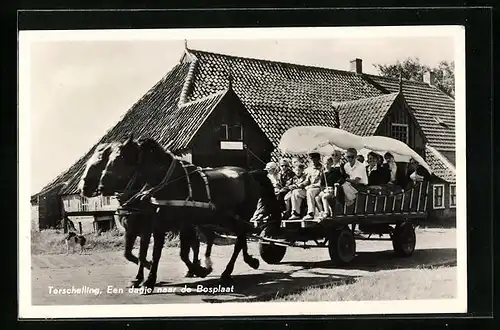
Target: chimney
(357, 65)
(430, 77)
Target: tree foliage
(412, 69)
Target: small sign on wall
(231, 145)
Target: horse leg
(226, 275)
(210, 237)
(130, 237)
(186, 240)
(195, 246)
(143, 251)
(159, 241)
(251, 261)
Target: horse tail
(266, 192)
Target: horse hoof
(203, 272)
(226, 277)
(254, 263)
(135, 284)
(147, 290)
(189, 274)
(148, 286)
(147, 265)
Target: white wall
(34, 218)
(76, 203)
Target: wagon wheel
(342, 246)
(404, 239)
(271, 253)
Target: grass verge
(51, 241)
(424, 283)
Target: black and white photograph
(275, 171)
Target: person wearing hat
(273, 174)
(312, 187)
(263, 210)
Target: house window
(438, 196)
(66, 205)
(453, 195)
(400, 132)
(231, 132)
(224, 132)
(106, 201)
(85, 204)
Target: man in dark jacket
(377, 174)
(415, 172)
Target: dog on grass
(73, 239)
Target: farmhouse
(213, 109)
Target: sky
(80, 88)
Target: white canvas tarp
(324, 140)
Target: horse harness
(189, 170)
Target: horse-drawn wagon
(158, 192)
(386, 212)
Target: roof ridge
(423, 83)
(396, 79)
(188, 81)
(393, 94)
(194, 51)
(273, 62)
(203, 99)
(438, 155)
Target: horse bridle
(144, 193)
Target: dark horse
(221, 199)
(135, 215)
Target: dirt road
(103, 277)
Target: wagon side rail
(376, 202)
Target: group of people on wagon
(296, 183)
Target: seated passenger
(416, 173)
(293, 186)
(284, 176)
(391, 166)
(332, 175)
(295, 162)
(355, 171)
(311, 186)
(262, 211)
(377, 174)
(273, 173)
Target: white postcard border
(27, 310)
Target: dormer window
(231, 132)
(400, 132)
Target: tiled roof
(440, 165)
(187, 120)
(430, 105)
(362, 117)
(277, 95)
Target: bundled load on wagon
(356, 209)
(403, 197)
